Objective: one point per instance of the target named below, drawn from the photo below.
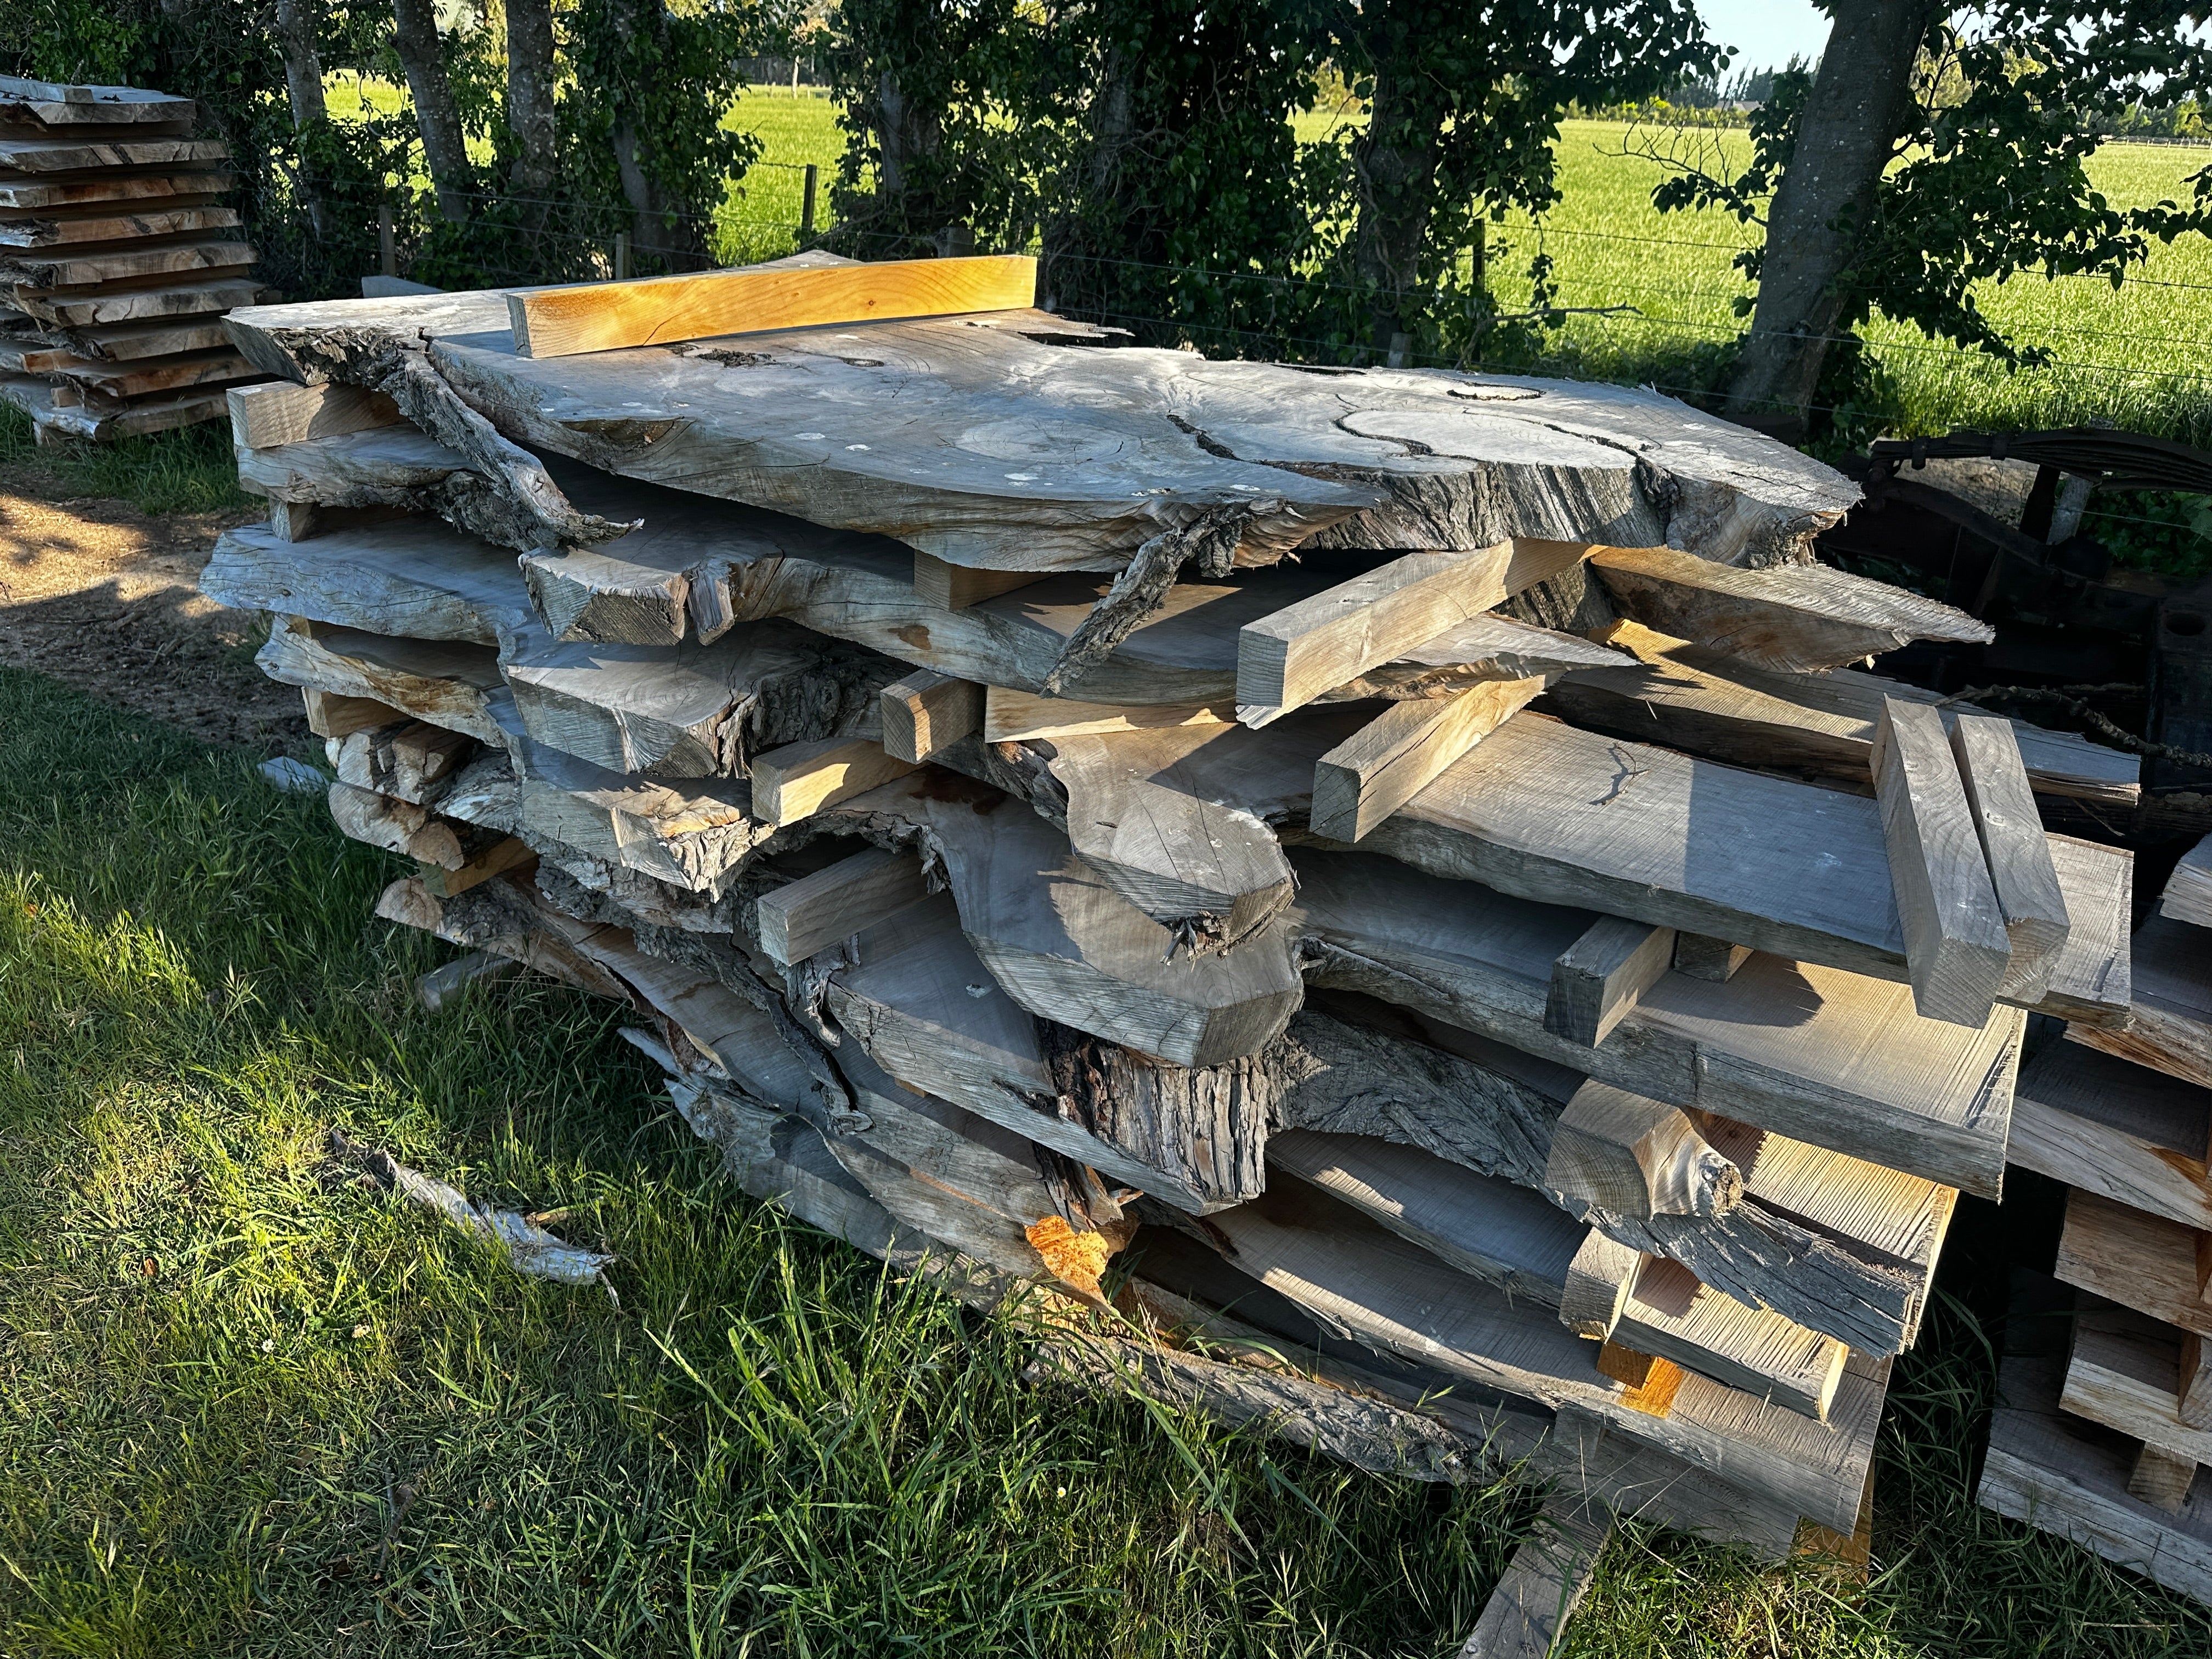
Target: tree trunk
(1073, 233)
(660, 228)
(415, 37)
(1860, 103)
(530, 116)
(1395, 161)
(298, 23)
(909, 133)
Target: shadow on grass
(189, 469)
(250, 1406)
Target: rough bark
(297, 25)
(660, 230)
(1847, 133)
(415, 37)
(1396, 161)
(530, 117)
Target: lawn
(249, 1405)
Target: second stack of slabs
(118, 260)
(2103, 1443)
(1536, 1061)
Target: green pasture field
(251, 1405)
(2139, 356)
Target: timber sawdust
(106, 599)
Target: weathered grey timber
(1510, 1237)
(695, 711)
(977, 441)
(400, 467)
(1355, 1274)
(1796, 618)
(1066, 947)
(697, 569)
(68, 104)
(30, 193)
(2118, 1129)
(1544, 810)
(1837, 1059)
(914, 995)
(1544, 1583)
(125, 304)
(1707, 702)
(63, 230)
(68, 155)
(1859, 1274)
(2051, 1470)
(1548, 811)
(1372, 1418)
(68, 268)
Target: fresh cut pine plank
(561, 322)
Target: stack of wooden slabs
(2105, 1448)
(1011, 854)
(117, 260)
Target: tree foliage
(1985, 178)
(1149, 146)
(640, 90)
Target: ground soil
(105, 598)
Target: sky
(1765, 33)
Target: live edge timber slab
(698, 568)
(1707, 702)
(986, 441)
(561, 322)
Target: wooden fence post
(806, 202)
(622, 256)
(387, 246)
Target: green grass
(227, 1364)
(2134, 356)
(189, 471)
(249, 1405)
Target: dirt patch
(106, 598)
